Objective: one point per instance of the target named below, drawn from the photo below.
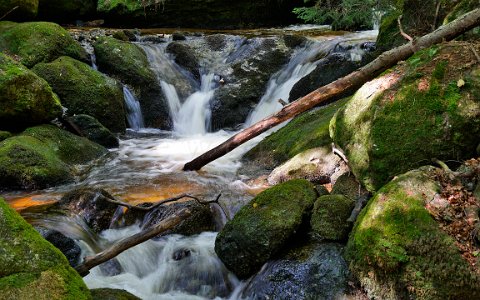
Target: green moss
(26, 9)
(26, 99)
(4, 25)
(120, 6)
(83, 90)
(263, 226)
(310, 130)
(35, 42)
(330, 215)
(396, 248)
(4, 135)
(111, 294)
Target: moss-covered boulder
(309, 130)
(43, 156)
(427, 108)
(30, 267)
(128, 63)
(83, 90)
(25, 98)
(112, 294)
(4, 135)
(25, 9)
(329, 217)
(262, 227)
(35, 42)
(398, 251)
(93, 130)
(67, 10)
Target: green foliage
(342, 14)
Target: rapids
(147, 168)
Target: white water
(133, 110)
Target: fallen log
(345, 84)
(127, 243)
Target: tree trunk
(127, 243)
(345, 84)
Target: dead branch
(127, 243)
(400, 27)
(340, 153)
(8, 12)
(341, 86)
(475, 53)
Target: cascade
(134, 113)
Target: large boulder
(262, 227)
(30, 267)
(67, 10)
(128, 63)
(25, 98)
(308, 271)
(35, 42)
(26, 9)
(83, 90)
(307, 131)
(43, 156)
(398, 251)
(253, 64)
(198, 14)
(426, 108)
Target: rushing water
(147, 167)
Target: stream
(147, 167)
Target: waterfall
(93, 58)
(134, 113)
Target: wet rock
(112, 294)
(398, 251)
(128, 63)
(312, 271)
(83, 90)
(253, 64)
(177, 36)
(329, 217)
(26, 99)
(317, 165)
(65, 244)
(181, 254)
(30, 267)
(216, 42)
(27, 9)
(184, 56)
(91, 205)
(111, 267)
(262, 227)
(92, 129)
(155, 39)
(200, 220)
(43, 156)
(35, 42)
(120, 35)
(294, 41)
(381, 132)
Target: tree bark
(345, 84)
(127, 243)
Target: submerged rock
(261, 228)
(93, 130)
(128, 63)
(398, 251)
(383, 132)
(25, 98)
(30, 267)
(184, 57)
(35, 42)
(312, 271)
(83, 90)
(43, 156)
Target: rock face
(260, 229)
(198, 13)
(25, 98)
(310, 130)
(27, 9)
(35, 42)
(91, 205)
(312, 271)
(83, 90)
(128, 63)
(94, 130)
(43, 156)
(66, 10)
(384, 133)
(329, 217)
(30, 267)
(257, 60)
(398, 251)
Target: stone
(329, 217)
(65, 244)
(93, 130)
(112, 294)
